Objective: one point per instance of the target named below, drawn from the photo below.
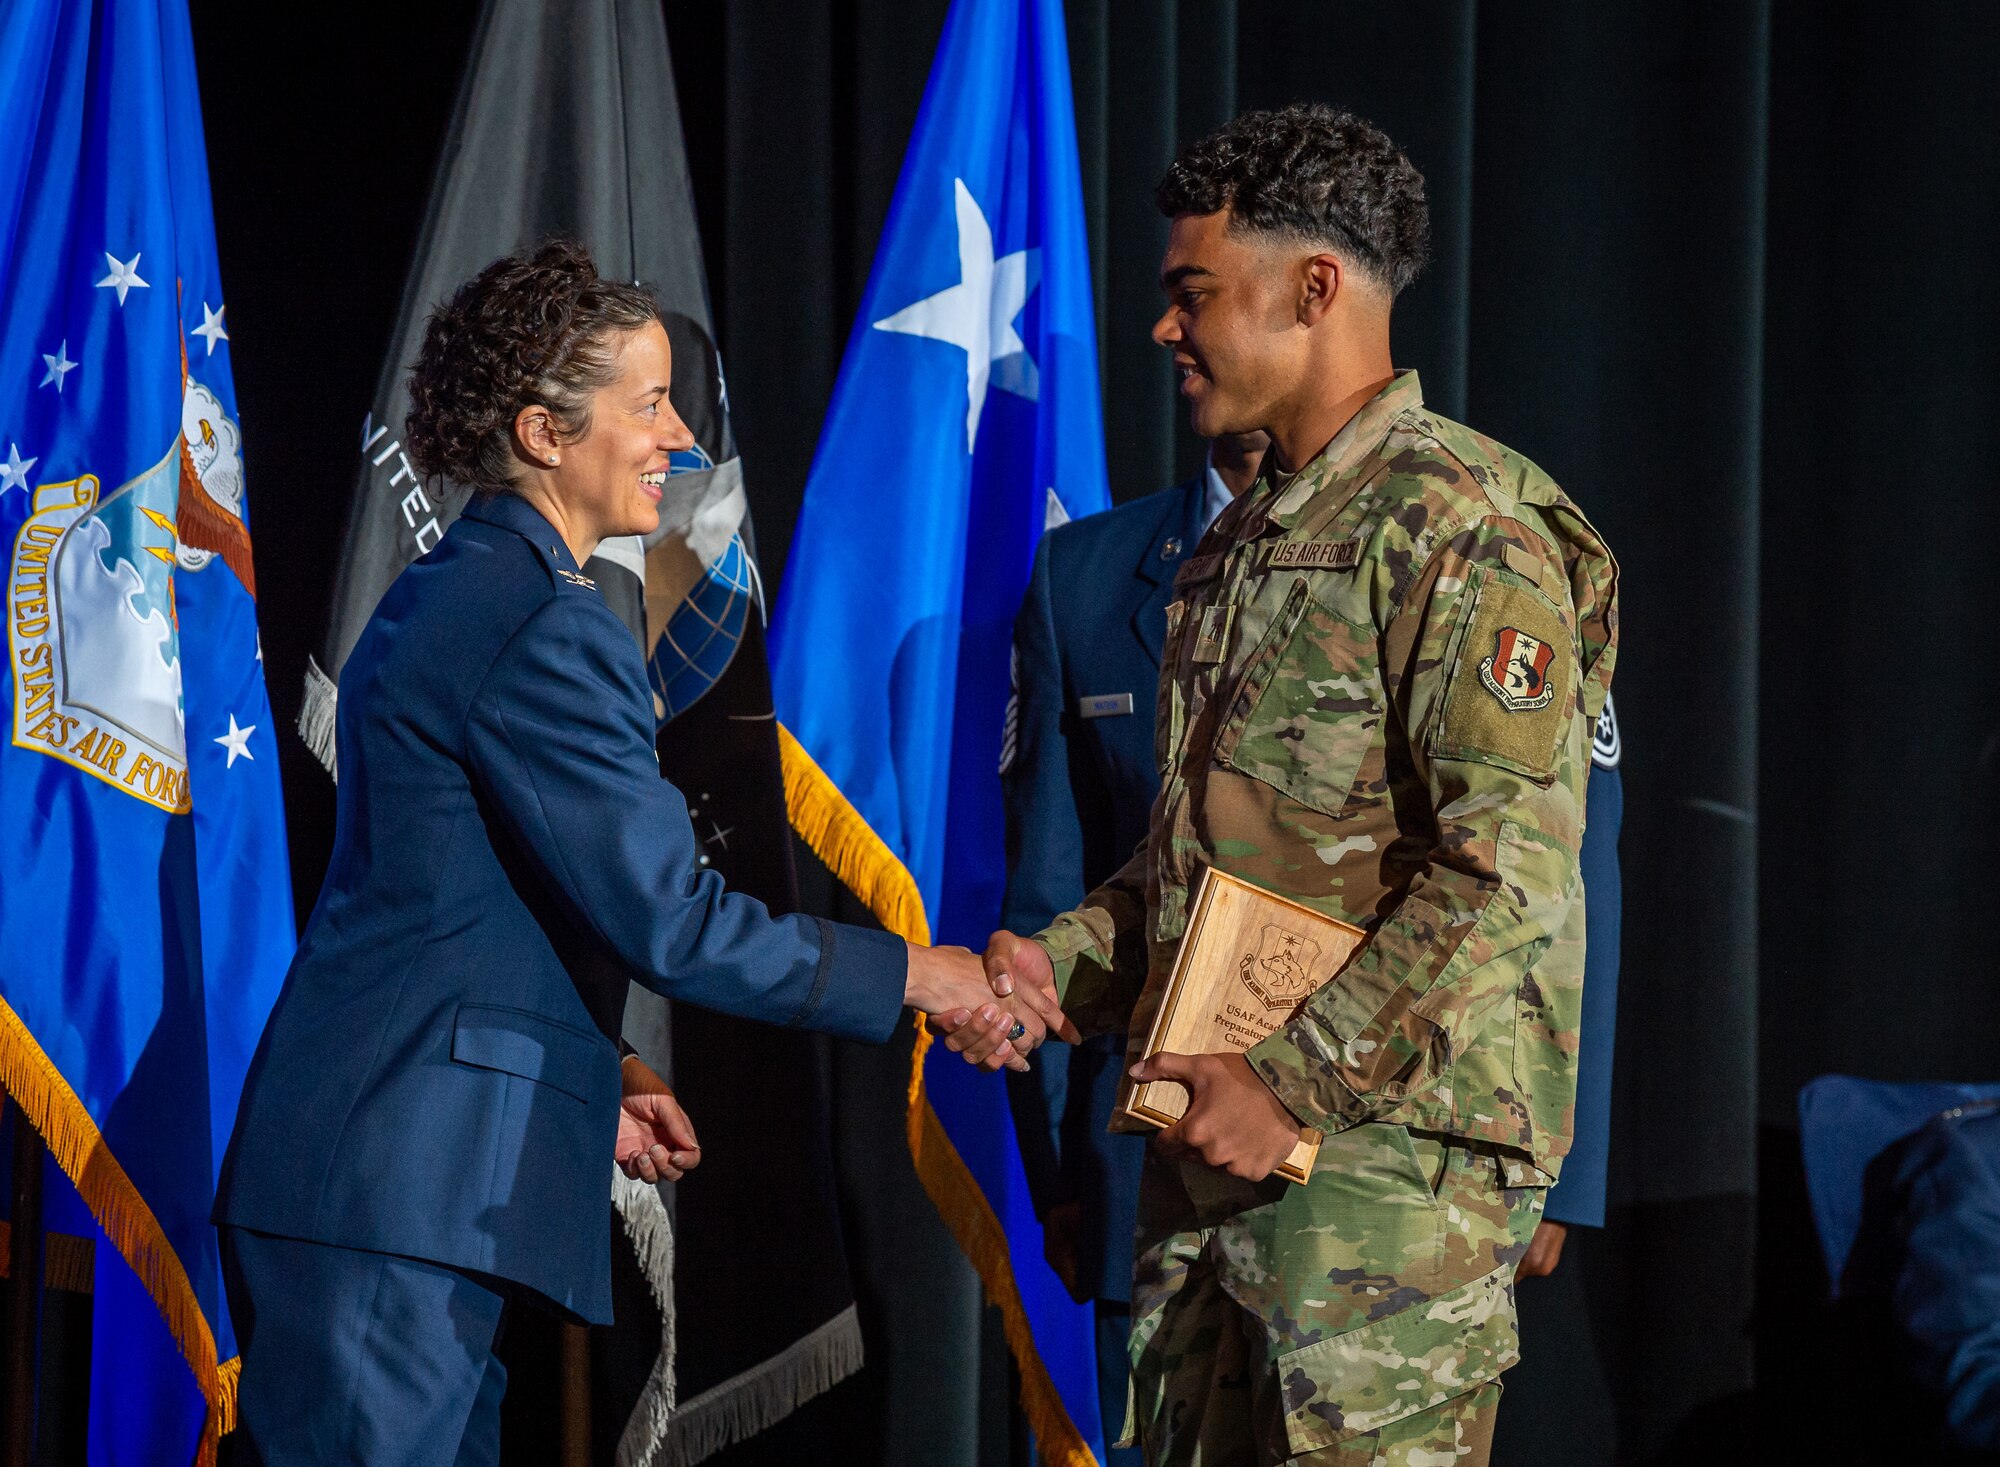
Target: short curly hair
(538, 327)
(1316, 174)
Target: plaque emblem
(1280, 971)
(1517, 672)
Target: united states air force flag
(145, 903)
(964, 422)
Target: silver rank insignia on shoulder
(1103, 705)
(1317, 555)
(576, 578)
(1606, 748)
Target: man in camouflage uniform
(1376, 698)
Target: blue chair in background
(1905, 1189)
(1844, 1124)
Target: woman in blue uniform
(426, 1126)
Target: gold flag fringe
(853, 852)
(54, 1109)
(864, 864)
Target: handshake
(992, 1010)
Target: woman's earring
(552, 458)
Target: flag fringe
(316, 711)
(972, 1221)
(840, 837)
(761, 1396)
(651, 1233)
(852, 851)
(73, 1139)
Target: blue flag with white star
(965, 421)
(145, 899)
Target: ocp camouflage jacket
(1376, 698)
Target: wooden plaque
(1247, 964)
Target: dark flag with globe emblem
(566, 123)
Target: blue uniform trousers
(351, 1356)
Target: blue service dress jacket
(1080, 781)
(440, 1075)
(1581, 1195)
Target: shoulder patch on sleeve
(1606, 748)
(1513, 686)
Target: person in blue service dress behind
(1079, 777)
(426, 1130)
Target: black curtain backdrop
(1725, 269)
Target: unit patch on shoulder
(1513, 680)
(1517, 671)
(1606, 748)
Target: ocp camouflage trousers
(1363, 1318)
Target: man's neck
(1298, 440)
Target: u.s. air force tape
(1317, 555)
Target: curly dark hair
(529, 328)
(1313, 173)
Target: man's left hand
(1234, 1121)
(656, 1140)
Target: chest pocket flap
(1309, 706)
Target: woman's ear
(535, 435)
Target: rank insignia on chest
(576, 578)
(1517, 671)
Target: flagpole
(24, 1260)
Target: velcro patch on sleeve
(1513, 684)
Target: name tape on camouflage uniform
(1197, 568)
(1317, 555)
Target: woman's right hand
(950, 986)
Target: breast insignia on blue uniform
(576, 578)
(1171, 549)
(1606, 748)
(1103, 705)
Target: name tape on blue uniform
(1104, 705)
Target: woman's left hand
(656, 1141)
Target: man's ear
(1320, 282)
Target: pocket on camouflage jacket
(1308, 706)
